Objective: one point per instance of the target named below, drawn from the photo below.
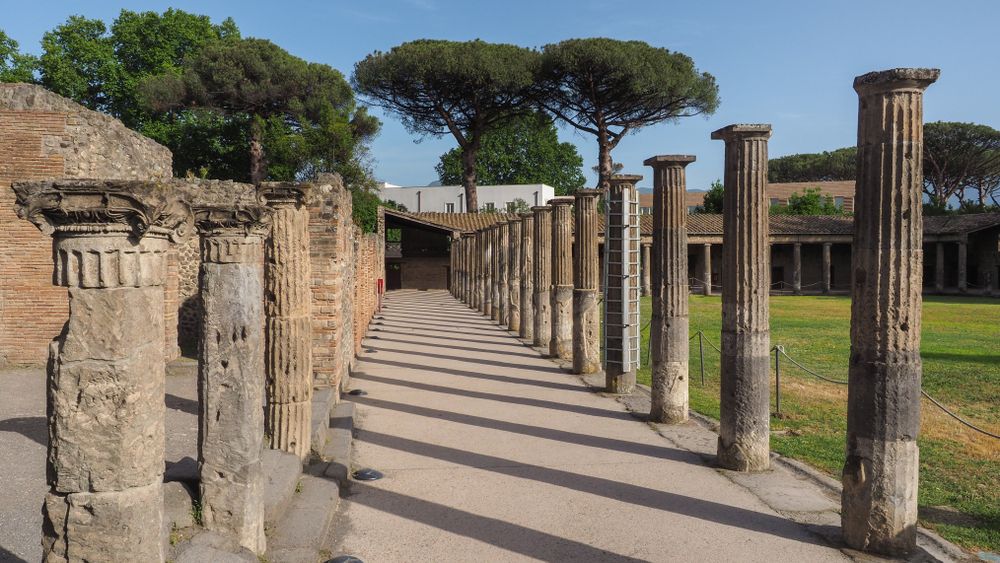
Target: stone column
(797, 268)
(288, 318)
(561, 337)
(106, 370)
(647, 283)
(467, 268)
(621, 294)
(542, 260)
(706, 261)
(879, 501)
(496, 306)
(939, 267)
(963, 283)
(514, 274)
(527, 328)
(669, 327)
(231, 371)
(503, 284)
(826, 267)
(487, 241)
(586, 313)
(745, 425)
(479, 248)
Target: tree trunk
(258, 166)
(605, 165)
(469, 178)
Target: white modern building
(451, 199)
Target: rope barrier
(958, 418)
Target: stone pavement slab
(491, 452)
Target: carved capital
(138, 208)
(287, 194)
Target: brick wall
(43, 135)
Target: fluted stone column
(939, 267)
(826, 267)
(231, 372)
(706, 256)
(797, 268)
(621, 295)
(488, 287)
(106, 369)
(480, 281)
(467, 267)
(496, 306)
(527, 328)
(561, 337)
(503, 283)
(745, 425)
(879, 501)
(669, 326)
(586, 311)
(543, 275)
(288, 318)
(514, 274)
(647, 282)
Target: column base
(879, 499)
(620, 384)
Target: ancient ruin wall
(43, 135)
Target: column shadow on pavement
(35, 428)
(625, 446)
(527, 401)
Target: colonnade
(880, 474)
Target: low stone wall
(43, 135)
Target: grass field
(959, 468)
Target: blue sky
(788, 63)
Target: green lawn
(959, 469)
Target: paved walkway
(492, 453)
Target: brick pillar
(543, 275)
(503, 286)
(586, 311)
(647, 282)
(669, 326)
(797, 268)
(621, 294)
(706, 262)
(826, 266)
(879, 501)
(288, 318)
(514, 274)
(106, 368)
(231, 360)
(561, 337)
(745, 425)
(527, 328)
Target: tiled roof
(711, 224)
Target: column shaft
(586, 314)
(669, 326)
(744, 429)
(962, 267)
(288, 320)
(543, 275)
(527, 328)
(503, 286)
(797, 268)
(826, 267)
(514, 275)
(706, 255)
(647, 284)
(488, 264)
(879, 500)
(939, 267)
(561, 338)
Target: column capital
(586, 192)
(895, 79)
(515, 219)
(526, 215)
(738, 131)
(287, 194)
(227, 208)
(561, 200)
(541, 208)
(623, 179)
(669, 160)
(468, 234)
(87, 206)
